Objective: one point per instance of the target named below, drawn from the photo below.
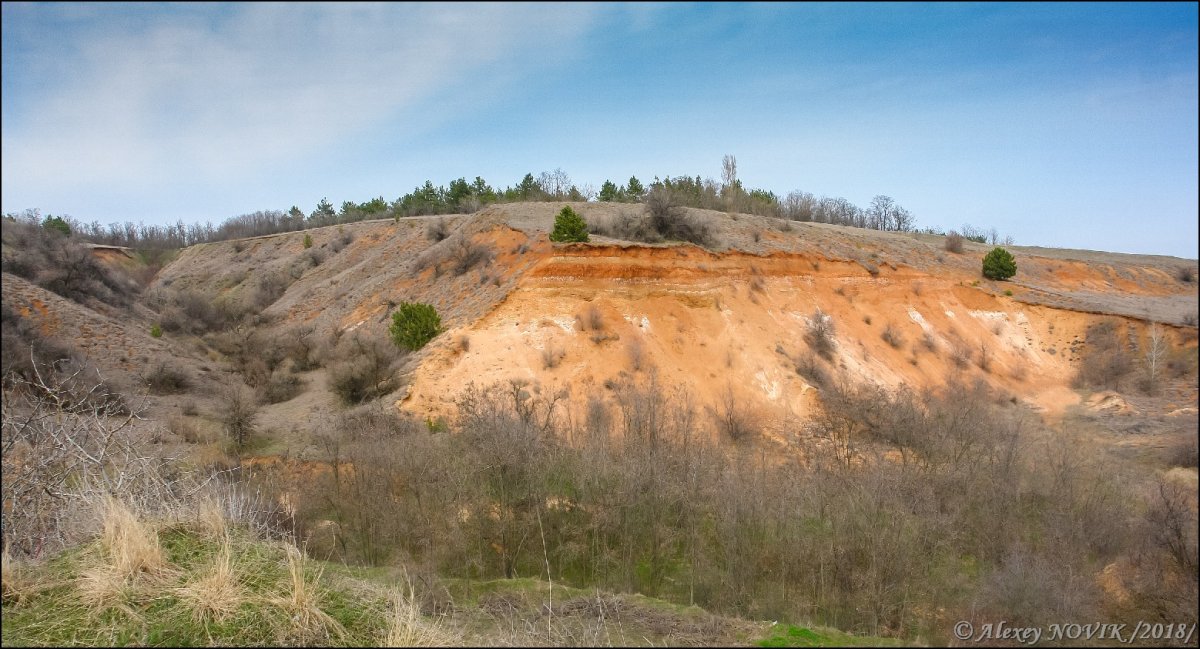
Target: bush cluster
(50, 258)
(362, 368)
(414, 325)
(458, 253)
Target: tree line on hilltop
(461, 196)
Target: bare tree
(798, 206)
(732, 418)
(1156, 352)
(728, 172)
(554, 183)
(240, 409)
(730, 187)
(885, 214)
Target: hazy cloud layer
(214, 97)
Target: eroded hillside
(730, 320)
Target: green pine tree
(414, 325)
(635, 188)
(57, 224)
(999, 264)
(569, 227)
(608, 192)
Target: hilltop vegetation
(461, 196)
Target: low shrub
(281, 386)
(928, 342)
(193, 312)
(954, 242)
(808, 367)
(458, 253)
(164, 379)
(64, 265)
(1185, 452)
(819, 334)
(414, 325)
(239, 415)
(733, 420)
(270, 288)
(551, 356)
(892, 336)
(437, 230)
(467, 254)
(592, 319)
(625, 226)
(185, 429)
(363, 368)
(24, 344)
(960, 355)
(1106, 360)
(671, 220)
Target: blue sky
(1067, 125)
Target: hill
(772, 419)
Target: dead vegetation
(65, 265)
(1106, 360)
(362, 367)
(457, 254)
(954, 242)
(819, 334)
(892, 336)
(665, 219)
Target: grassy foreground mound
(194, 583)
(204, 582)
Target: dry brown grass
(132, 545)
(217, 595)
(408, 628)
(15, 583)
(129, 549)
(303, 602)
(211, 518)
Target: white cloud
(215, 98)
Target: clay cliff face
(584, 314)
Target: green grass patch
(790, 635)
